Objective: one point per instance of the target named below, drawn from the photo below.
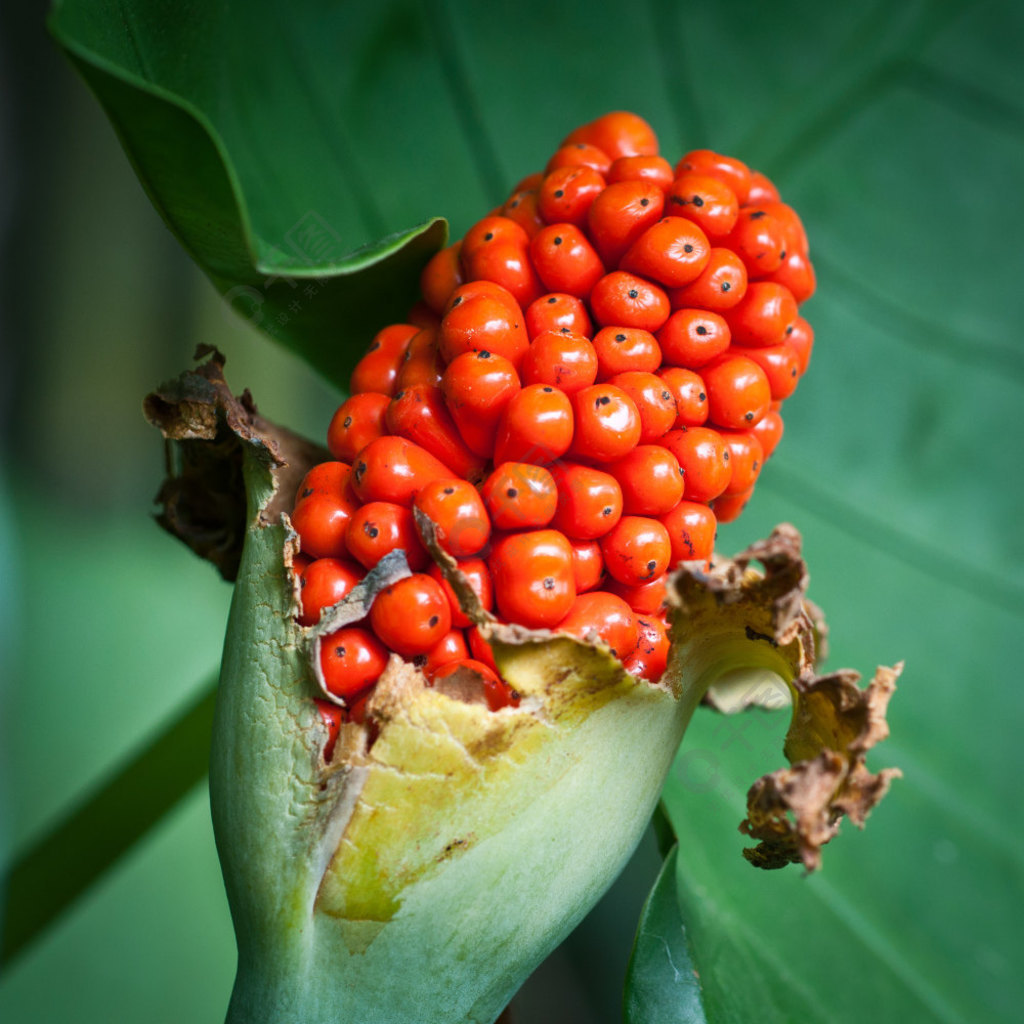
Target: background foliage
(897, 130)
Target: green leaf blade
(662, 985)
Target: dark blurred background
(897, 133)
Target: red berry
(651, 480)
(607, 423)
(378, 369)
(378, 527)
(620, 215)
(419, 414)
(746, 457)
(769, 432)
(720, 285)
(421, 363)
(601, 616)
(797, 274)
(619, 133)
(654, 170)
(451, 647)
(589, 501)
(521, 207)
(587, 564)
(672, 252)
(733, 172)
(563, 359)
(579, 154)
(533, 577)
(693, 337)
(653, 400)
(704, 459)
(738, 391)
(457, 511)
(358, 421)
(691, 529)
(763, 315)
(332, 478)
(781, 366)
(650, 656)
(729, 506)
(497, 692)
(351, 659)
(646, 598)
(759, 239)
(507, 264)
(707, 201)
(394, 469)
(519, 495)
(566, 193)
(484, 323)
(565, 260)
(800, 338)
(636, 550)
(325, 582)
(620, 299)
(479, 578)
(762, 190)
(489, 232)
(536, 426)
(691, 399)
(557, 312)
(441, 276)
(412, 615)
(331, 715)
(476, 387)
(320, 520)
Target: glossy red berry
(458, 513)
(649, 658)
(558, 311)
(653, 400)
(762, 189)
(484, 323)
(565, 195)
(587, 564)
(707, 201)
(565, 260)
(746, 457)
(358, 421)
(759, 239)
(490, 232)
(636, 550)
(602, 617)
(618, 134)
(720, 285)
(646, 598)
(562, 359)
(520, 496)
(321, 520)
(394, 469)
(412, 615)
(607, 423)
(738, 391)
(533, 577)
(620, 299)
(799, 337)
(476, 387)
(589, 501)
(420, 414)
(378, 369)
(451, 647)
(379, 527)
(620, 215)
(325, 582)
(507, 264)
(654, 170)
(672, 252)
(687, 388)
(479, 578)
(579, 154)
(351, 659)
(441, 276)
(691, 529)
(422, 363)
(536, 426)
(769, 432)
(620, 349)
(331, 715)
(706, 162)
(781, 366)
(331, 478)
(651, 480)
(763, 316)
(693, 337)
(729, 506)
(704, 459)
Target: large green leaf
(896, 129)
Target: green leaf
(51, 874)
(249, 170)
(662, 984)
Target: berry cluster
(591, 382)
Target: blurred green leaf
(52, 873)
(263, 222)
(662, 985)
